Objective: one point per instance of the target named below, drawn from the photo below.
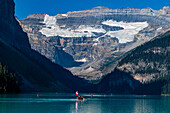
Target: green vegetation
(8, 81)
(154, 59)
(117, 82)
(166, 86)
(145, 51)
(155, 87)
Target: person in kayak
(80, 97)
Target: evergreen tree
(8, 81)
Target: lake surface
(67, 103)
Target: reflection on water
(67, 103)
(152, 105)
(76, 106)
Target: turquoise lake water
(67, 103)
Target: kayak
(80, 97)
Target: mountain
(150, 64)
(23, 69)
(118, 82)
(150, 60)
(36, 72)
(93, 40)
(145, 70)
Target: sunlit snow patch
(129, 31)
(52, 29)
(82, 60)
(64, 15)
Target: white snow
(82, 60)
(64, 15)
(126, 35)
(160, 28)
(129, 31)
(49, 21)
(95, 44)
(55, 30)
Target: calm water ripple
(67, 103)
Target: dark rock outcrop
(10, 27)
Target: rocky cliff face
(10, 27)
(35, 71)
(107, 11)
(95, 39)
(165, 11)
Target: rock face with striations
(36, 72)
(95, 39)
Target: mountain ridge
(153, 57)
(109, 33)
(40, 74)
(99, 8)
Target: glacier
(126, 35)
(55, 30)
(129, 31)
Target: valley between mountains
(99, 50)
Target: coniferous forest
(8, 80)
(156, 52)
